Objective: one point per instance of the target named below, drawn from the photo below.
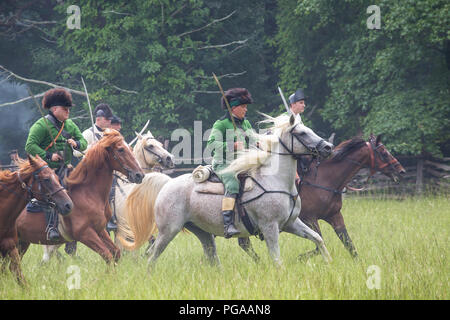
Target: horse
(273, 205)
(322, 185)
(34, 179)
(151, 156)
(88, 185)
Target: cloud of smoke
(15, 120)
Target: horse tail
(138, 223)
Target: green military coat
(39, 138)
(222, 146)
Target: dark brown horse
(88, 186)
(322, 185)
(34, 179)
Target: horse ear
(291, 119)
(31, 159)
(378, 140)
(139, 135)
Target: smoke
(15, 120)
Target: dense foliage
(154, 60)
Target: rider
(116, 123)
(297, 102)
(224, 148)
(53, 138)
(297, 107)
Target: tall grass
(406, 239)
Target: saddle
(208, 182)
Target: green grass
(407, 239)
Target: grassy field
(406, 240)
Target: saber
(90, 108)
(140, 133)
(284, 100)
(226, 101)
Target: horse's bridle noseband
(158, 157)
(290, 151)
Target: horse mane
(94, 159)
(25, 169)
(345, 148)
(248, 161)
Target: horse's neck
(281, 166)
(18, 199)
(338, 174)
(139, 155)
(103, 182)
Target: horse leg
(23, 247)
(115, 251)
(92, 240)
(208, 242)
(337, 222)
(271, 233)
(307, 255)
(49, 250)
(15, 266)
(246, 245)
(164, 237)
(300, 229)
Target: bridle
(290, 151)
(117, 159)
(374, 152)
(158, 157)
(29, 188)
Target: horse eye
(121, 149)
(151, 146)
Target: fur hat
(103, 110)
(236, 97)
(57, 97)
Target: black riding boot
(228, 217)
(51, 218)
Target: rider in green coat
(54, 137)
(225, 141)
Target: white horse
(273, 204)
(151, 156)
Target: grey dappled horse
(172, 204)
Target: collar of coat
(236, 120)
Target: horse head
(298, 139)
(382, 160)
(151, 153)
(121, 157)
(45, 185)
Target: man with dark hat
(224, 148)
(103, 115)
(116, 123)
(297, 102)
(55, 136)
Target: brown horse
(88, 186)
(322, 185)
(34, 179)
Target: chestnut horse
(322, 185)
(88, 185)
(34, 179)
